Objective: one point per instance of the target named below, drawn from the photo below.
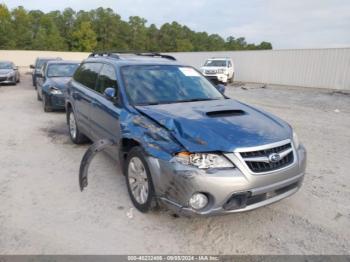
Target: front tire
(75, 135)
(45, 103)
(230, 80)
(38, 95)
(139, 181)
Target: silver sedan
(9, 73)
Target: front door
(105, 112)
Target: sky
(286, 24)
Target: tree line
(103, 29)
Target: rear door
(104, 111)
(82, 92)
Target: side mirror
(110, 93)
(221, 88)
(32, 67)
(15, 68)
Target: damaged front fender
(87, 158)
(154, 139)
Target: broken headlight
(204, 160)
(55, 91)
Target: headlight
(204, 160)
(222, 71)
(10, 74)
(55, 91)
(295, 140)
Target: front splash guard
(96, 147)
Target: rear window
(87, 74)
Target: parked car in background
(9, 73)
(52, 81)
(178, 139)
(219, 70)
(37, 66)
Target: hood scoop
(223, 113)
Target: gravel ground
(42, 210)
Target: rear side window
(87, 74)
(107, 78)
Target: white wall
(322, 68)
(26, 58)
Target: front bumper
(7, 79)
(175, 184)
(216, 78)
(56, 101)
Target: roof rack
(117, 54)
(157, 55)
(105, 54)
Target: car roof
(49, 58)
(4, 61)
(134, 59)
(219, 58)
(63, 62)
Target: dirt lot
(43, 211)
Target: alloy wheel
(138, 181)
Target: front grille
(3, 78)
(210, 72)
(259, 161)
(243, 199)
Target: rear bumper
(228, 190)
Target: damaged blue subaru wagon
(179, 140)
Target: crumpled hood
(59, 82)
(218, 125)
(5, 71)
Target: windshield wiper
(197, 99)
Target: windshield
(61, 70)
(5, 66)
(154, 84)
(216, 63)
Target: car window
(229, 64)
(107, 78)
(149, 84)
(218, 63)
(87, 74)
(61, 70)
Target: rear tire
(75, 135)
(139, 181)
